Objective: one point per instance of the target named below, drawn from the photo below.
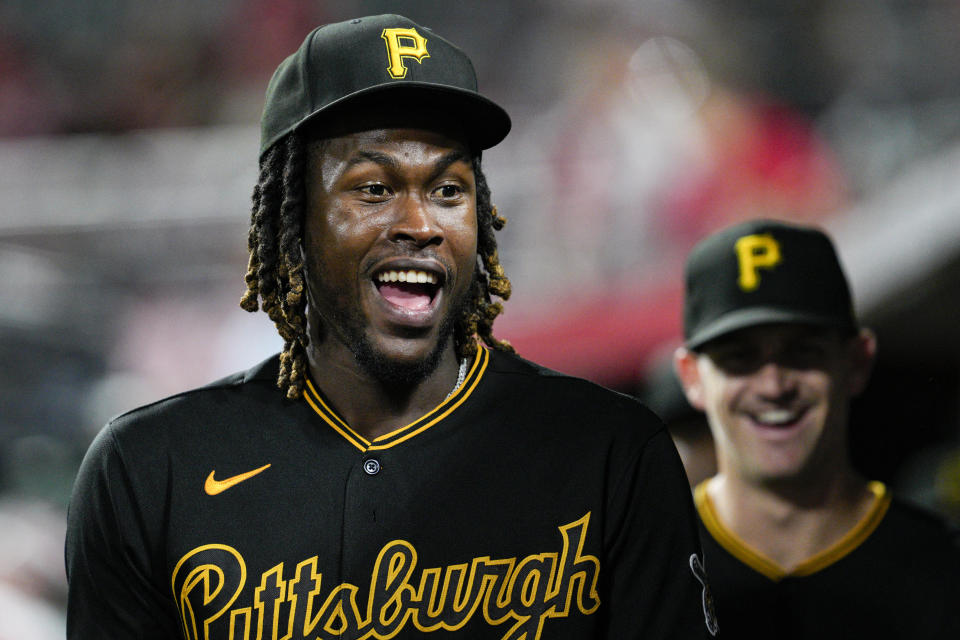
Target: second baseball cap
(387, 58)
(762, 272)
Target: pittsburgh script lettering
(518, 594)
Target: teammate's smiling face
(390, 239)
(777, 397)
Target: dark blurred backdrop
(128, 137)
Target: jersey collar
(320, 405)
(767, 567)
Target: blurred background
(128, 142)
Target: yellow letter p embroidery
(755, 252)
(403, 43)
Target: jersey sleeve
(655, 585)
(114, 589)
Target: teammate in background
(410, 477)
(797, 543)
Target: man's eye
(448, 191)
(806, 355)
(736, 361)
(376, 190)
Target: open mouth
(777, 418)
(411, 289)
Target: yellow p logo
(403, 43)
(755, 252)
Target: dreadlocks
(275, 274)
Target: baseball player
(410, 477)
(797, 543)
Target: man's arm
(112, 592)
(655, 586)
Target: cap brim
(485, 123)
(744, 318)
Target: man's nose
(415, 223)
(774, 380)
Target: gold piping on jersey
(387, 440)
(767, 567)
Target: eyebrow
(390, 162)
(448, 159)
(375, 157)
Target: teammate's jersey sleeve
(113, 588)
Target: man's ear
(685, 366)
(862, 351)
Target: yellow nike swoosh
(213, 487)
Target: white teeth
(422, 277)
(777, 416)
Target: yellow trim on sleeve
(767, 567)
(402, 434)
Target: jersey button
(371, 466)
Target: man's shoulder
(529, 375)
(229, 398)
(183, 426)
(534, 387)
(921, 529)
(263, 372)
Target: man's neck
(373, 408)
(791, 522)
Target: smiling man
(390, 239)
(797, 543)
(395, 472)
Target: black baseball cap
(387, 60)
(762, 272)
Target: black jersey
(527, 505)
(896, 575)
